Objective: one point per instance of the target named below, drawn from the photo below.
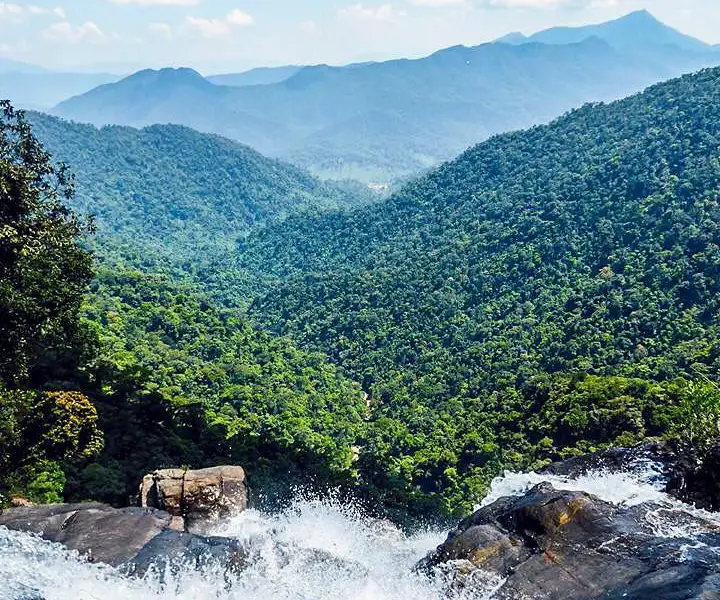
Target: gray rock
(105, 534)
(174, 549)
(137, 538)
(555, 545)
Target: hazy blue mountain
(13, 66)
(636, 30)
(514, 37)
(376, 121)
(259, 76)
(44, 89)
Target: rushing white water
(642, 483)
(315, 550)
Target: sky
(216, 36)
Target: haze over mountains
(376, 121)
(259, 76)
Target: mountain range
(376, 121)
(258, 76)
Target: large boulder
(195, 498)
(554, 545)
(102, 533)
(133, 538)
(696, 481)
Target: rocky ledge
(196, 498)
(137, 538)
(550, 544)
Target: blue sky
(230, 35)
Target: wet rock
(198, 497)
(136, 538)
(173, 549)
(554, 545)
(25, 593)
(104, 534)
(696, 481)
(620, 460)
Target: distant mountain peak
(514, 37)
(168, 74)
(636, 30)
(642, 12)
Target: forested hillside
(106, 374)
(184, 381)
(171, 192)
(549, 292)
(589, 246)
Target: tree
(44, 272)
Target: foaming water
(642, 483)
(315, 550)
(322, 550)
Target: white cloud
(19, 12)
(156, 2)
(360, 12)
(238, 17)
(39, 10)
(9, 9)
(210, 28)
(438, 3)
(64, 31)
(215, 28)
(164, 30)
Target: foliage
(186, 382)
(43, 272)
(44, 483)
(40, 430)
(169, 377)
(696, 421)
(44, 275)
(168, 195)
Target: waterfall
(319, 550)
(313, 550)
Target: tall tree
(44, 272)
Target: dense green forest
(548, 293)
(170, 195)
(587, 246)
(106, 374)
